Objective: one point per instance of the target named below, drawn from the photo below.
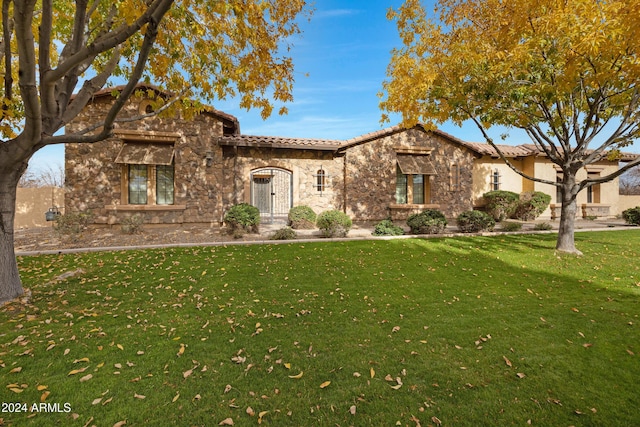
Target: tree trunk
(10, 285)
(566, 231)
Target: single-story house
(191, 170)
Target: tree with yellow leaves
(567, 72)
(56, 55)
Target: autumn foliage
(564, 72)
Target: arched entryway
(272, 193)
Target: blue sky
(341, 60)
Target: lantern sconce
(209, 158)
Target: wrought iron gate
(271, 193)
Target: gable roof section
(230, 122)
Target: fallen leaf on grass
(120, 423)
(325, 384)
(226, 422)
(96, 401)
(295, 377)
(436, 420)
(180, 351)
(250, 411)
(187, 373)
(372, 372)
(16, 390)
(261, 415)
(84, 359)
(139, 396)
(176, 397)
(86, 378)
(44, 396)
(352, 410)
(76, 371)
(507, 361)
(16, 370)
(520, 375)
(227, 388)
(42, 387)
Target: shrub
(132, 224)
(302, 217)
(511, 226)
(334, 223)
(430, 221)
(387, 228)
(543, 226)
(501, 204)
(72, 222)
(242, 218)
(531, 205)
(475, 221)
(285, 233)
(632, 215)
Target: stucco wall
(628, 201)
(606, 196)
(33, 203)
(370, 176)
(483, 170)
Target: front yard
(450, 331)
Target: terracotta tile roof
(279, 142)
(485, 149)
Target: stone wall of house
(240, 162)
(370, 176)
(94, 180)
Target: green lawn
(459, 331)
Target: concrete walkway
(357, 232)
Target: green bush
(632, 215)
(543, 226)
(334, 223)
(475, 221)
(531, 205)
(72, 222)
(501, 204)
(511, 226)
(242, 218)
(302, 217)
(285, 233)
(386, 227)
(132, 224)
(430, 221)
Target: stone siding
(370, 176)
(240, 162)
(94, 181)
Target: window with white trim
(495, 180)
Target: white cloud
(331, 13)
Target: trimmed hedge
(430, 221)
(475, 221)
(334, 223)
(632, 215)
(501, 204)
(302, 217)
(386, 227)
(531, 205)
(242, 218)
(285, 233)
